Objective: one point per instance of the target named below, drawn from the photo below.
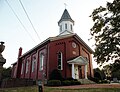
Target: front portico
(75, 63)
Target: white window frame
(41, 61)
(61, 60)
(60, 28)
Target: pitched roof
(65, 17)
(50, 39)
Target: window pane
(41, 61)
(65, 26)
(33, 64)
(60, 61)
(71, 27)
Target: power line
(29, 19)
(19, 20)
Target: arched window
(60, 61)
(41, 60)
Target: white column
(85, 71)
(73, 72)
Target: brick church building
(66, 52)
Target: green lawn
(49, 89)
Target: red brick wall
(27, 74)
(14, 70)
(34, 72)
(42, 73)
(50, 52)
(24, 66)
(54, 48)
(86, 54)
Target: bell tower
(65, 24)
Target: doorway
(76, 72)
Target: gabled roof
(79, 60)
(66, 17)
(50, 39)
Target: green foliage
(6, 73)
(54, 83)
(94, 79)
(56, 75)
(66, 83)
(104, 81)
(106, 32)
(54, 89)
(116, 74)
(63, 82)
(70, 81)
(99, 74)
(73, 82)
(113, 70)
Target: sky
(44, 15)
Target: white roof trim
(79, 60)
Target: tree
(107, 70)
(106, 32)
(113, 70)
(6, 73)
(99, 74)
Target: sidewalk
(91, 86)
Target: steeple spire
(65, 5)
(66, 23)
(65, 17)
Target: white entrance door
(76, 72)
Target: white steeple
(65, 24)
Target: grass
(83, 90)
(49, 89)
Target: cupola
(65, 24)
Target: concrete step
(86, 81)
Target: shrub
(105, 81)
(71, 79)
(66, 82)
(54, 83)
(70, 82)
(74, 82)
(94, 79)
(56, 75)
